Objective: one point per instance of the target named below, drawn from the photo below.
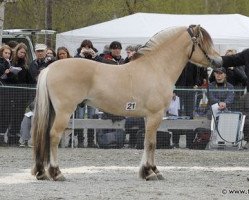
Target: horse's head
(202, 51)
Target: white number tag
(130, 106)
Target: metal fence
(87, 128)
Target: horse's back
(76, 79)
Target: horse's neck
(172, 58)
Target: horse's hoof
(42, 177)
(248, 178)
(60, 177)
(160, 176)
(152, 177)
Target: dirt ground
(112, 174)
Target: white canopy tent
(227, 31)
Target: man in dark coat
(39, 63)
(190, 77)
(239, 59)
(221, 92)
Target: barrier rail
(166, 124)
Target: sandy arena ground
(112, 174)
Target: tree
(48, 21)
(65, 15)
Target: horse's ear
(198, 28)
(198, 31)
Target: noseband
(194, 39)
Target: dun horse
(142, 88)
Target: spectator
(39, 63)
(221, 95)
(5, 56)
(173, 110)
(114, 57)
(16, 99)
(236, 60)
(20, 98)
(174, 106)
(25, 131)
(132, 124)
(62, 53)
(50, 53)
(86, 51)
(5, 73)
(130, 50)
(191, 77)
(20, 61)
(235, 75)
(202, 100)
(106, 50)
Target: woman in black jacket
(20, 62)
(5, 56)
(17, 95)
(5, 75)
(21, 95)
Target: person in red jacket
(114, 57)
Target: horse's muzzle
(216, 62)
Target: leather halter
(194, 39)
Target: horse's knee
(150, 146)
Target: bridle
(194, 39)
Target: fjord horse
(142, 87)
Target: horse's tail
(42, 121)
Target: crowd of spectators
(15, 72)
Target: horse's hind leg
(148, 169)
(59, 125)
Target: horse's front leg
(148, 169)
(58, 127)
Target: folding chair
(227, 131)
